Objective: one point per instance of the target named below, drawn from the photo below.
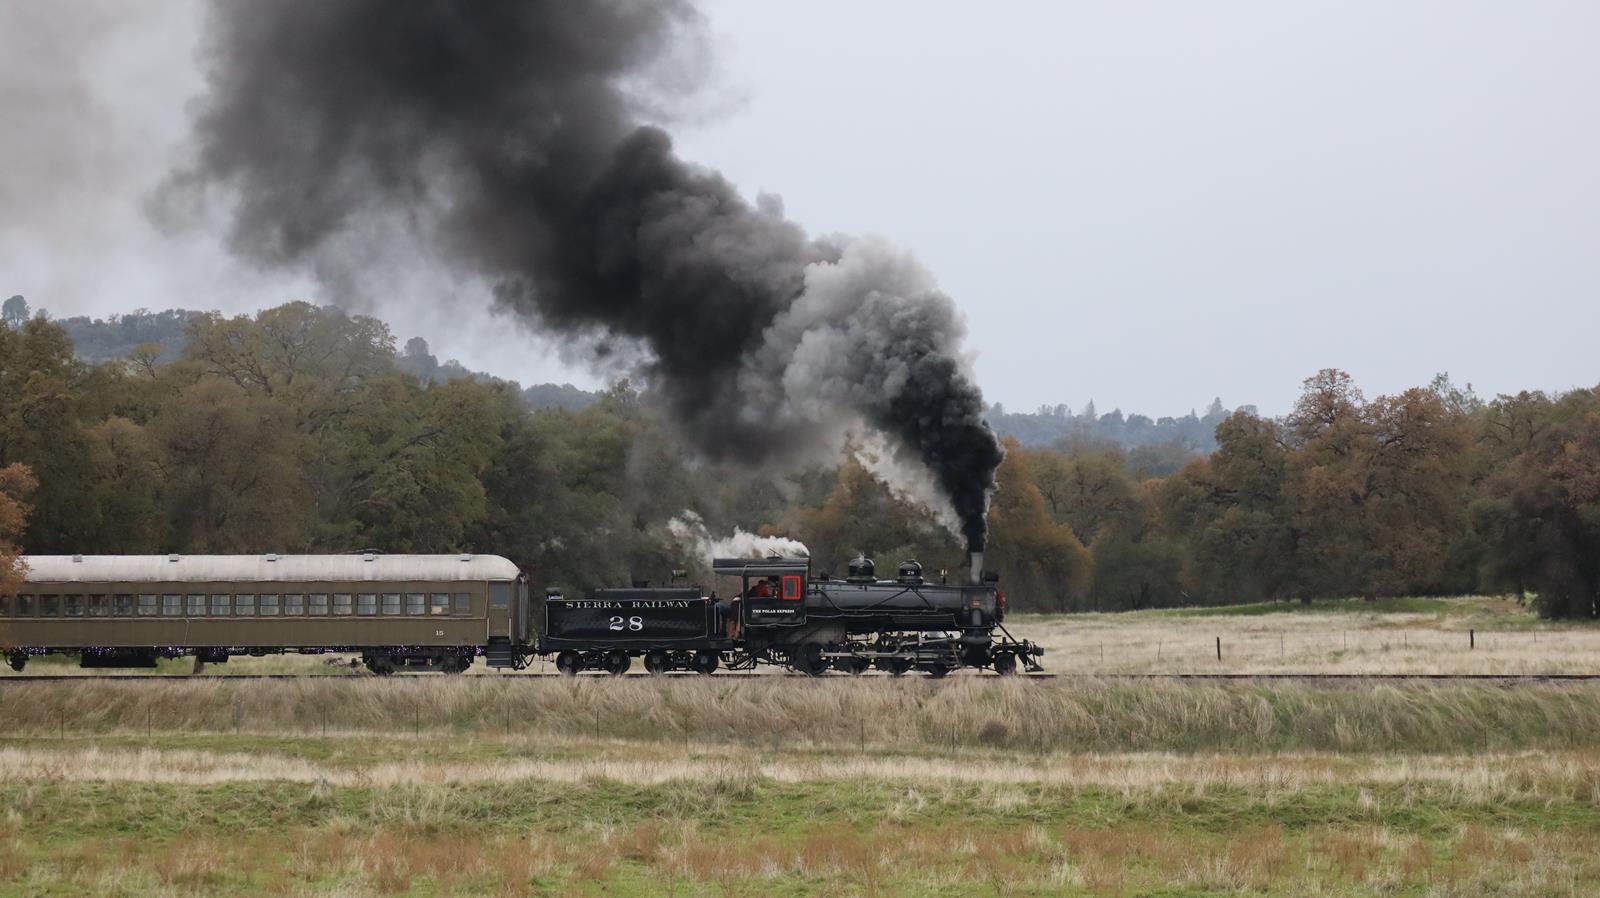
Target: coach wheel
(458, 664)
(382, 665)
(937, 670)
(18, 662)
(1005, 664)
(705, 662)
(569, 663)
(617, 662)
(657, 663)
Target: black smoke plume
(503, 134)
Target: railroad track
(1179, 677)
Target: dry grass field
(1083, 786)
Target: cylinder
(977, 568)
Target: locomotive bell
(862, 568)
(910, 572)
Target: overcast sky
(1144, 203)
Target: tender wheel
(17, 661)
(1005, 664)
(657, 663)
(705, 662)
(569, 663)
(616, 663)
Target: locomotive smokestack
(977, 568)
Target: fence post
(1219, 648)
(1472, 639)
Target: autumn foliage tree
(16, 484)
(301, 429)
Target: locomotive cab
(772, 591)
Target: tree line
(303, 429)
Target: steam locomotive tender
(780, 615)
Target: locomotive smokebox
(977, 568)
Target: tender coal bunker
(501, 133)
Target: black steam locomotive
(778, 614)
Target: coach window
(221, 605)
(26, 604)
(269, 605)
(72, 605)
(123, 606)
(49, 606)
(342, 603)
(245, 605)
(196, 605)
(99, 606)
(5, 606)
(416, 603)
(391, 603)
(147, 606)
(171, 605)
(367, 603)
(500, 595)
(463, 603)
(319, 603)
(294, 605)
(440, 603)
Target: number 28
(632, 623)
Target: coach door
(500, 608)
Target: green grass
(760, 838)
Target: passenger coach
(427, 612)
